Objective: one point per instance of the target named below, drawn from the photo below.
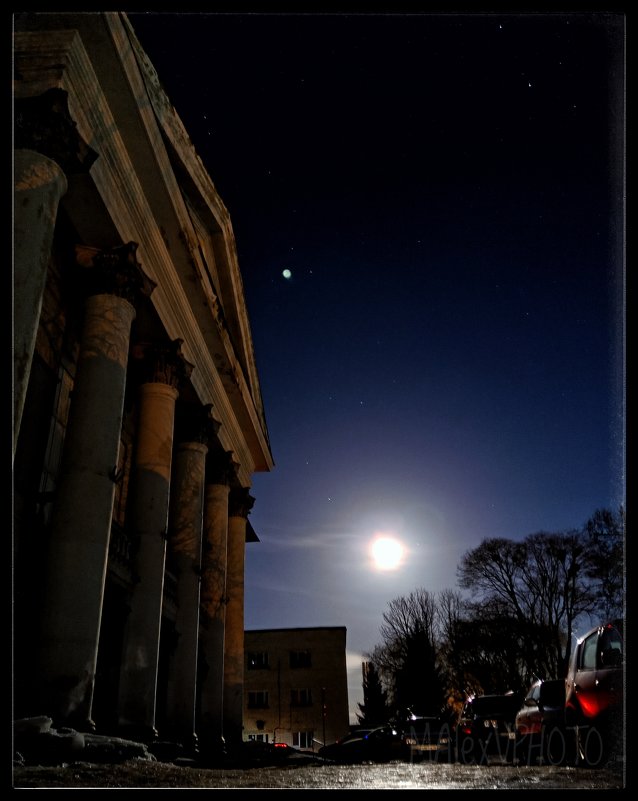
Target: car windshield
(356, 735)
(492, 706)
(423, 724)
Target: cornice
(57, 58)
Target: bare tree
(459, 683)
(407, 658)
(605, 540)
(540, 584)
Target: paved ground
(393, 776)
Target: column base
(79, 723)
(138, 733)
(212, 753)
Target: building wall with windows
(138, 418)
(295, 686)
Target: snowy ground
(396, 775)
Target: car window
(494, 706)
(610, 648)
(588, 652)
(552, 693)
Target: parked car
(255, 753)
(427, 738)
(486, 728)
(594, 687)
(539, 723)
(381, 744)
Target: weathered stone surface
(37, 743)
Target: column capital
(114, 272)
(240, 502)
(221, 468)
(43, 123)
(162, 363)
(196, 424)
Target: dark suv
(594, 687)
(427, 738)
(486, 728)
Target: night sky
(428, 218)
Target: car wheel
(522, 750)
(465, 751)
(590, 746)
(554, 746)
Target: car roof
(496, 702)
(617, 624)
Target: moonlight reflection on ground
(387, 553)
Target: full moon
(286, 273)
(386, 553)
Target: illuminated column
(39, 185)
(220, 472)
(150, 484)
(240, 504)
(47, 149)
(81, 518)
(185, 545)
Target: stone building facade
(138, 419)
(296, 686)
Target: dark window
(260, 738)
(258, 700)
(300, 697)
(610, 648)
(300, 659)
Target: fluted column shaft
(213, 605)
(151, 482)
(81, 520)
(39, 185)
(164, 369)
(185, 536)
(239, 507)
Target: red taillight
(280, 745)
(593, 705)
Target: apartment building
(295, 686)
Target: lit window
(257, 660)
(302, 739)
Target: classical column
(39, 185)
(81, 518)
(47, 149)
(220, 471)
(240, 504)
(185, 546)
(165, 367)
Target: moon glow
(387, 553)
